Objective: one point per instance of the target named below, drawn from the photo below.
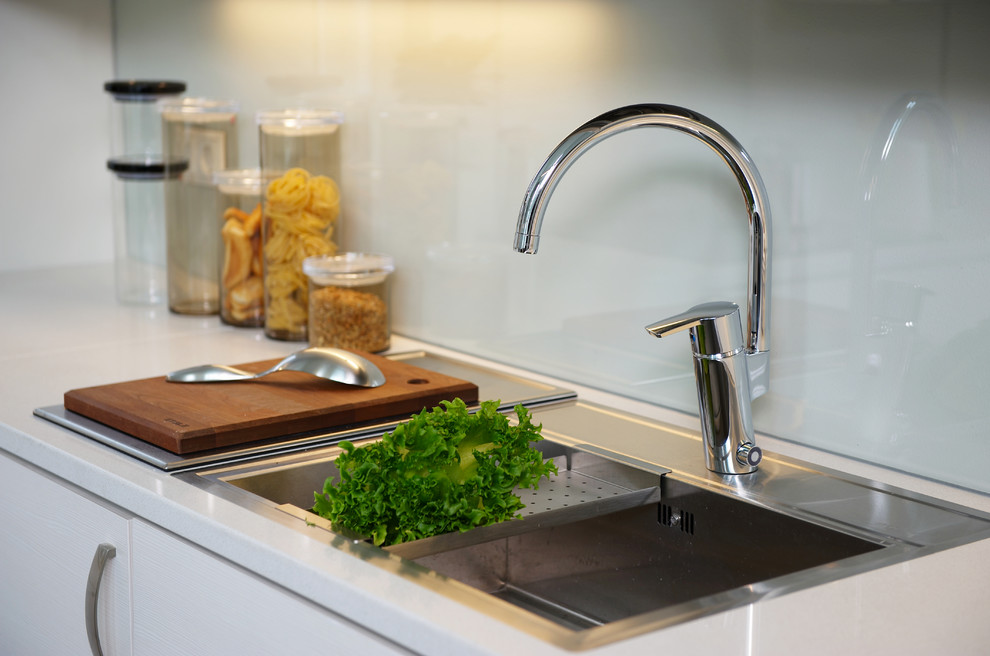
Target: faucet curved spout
(731, 367)
(715, 137)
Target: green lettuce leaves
(444, 470)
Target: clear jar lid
(197, 109)
(348, 269)
(238, 181)
(299, 121)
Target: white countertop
(62, 329)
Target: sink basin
(691, 545)
(614, 546)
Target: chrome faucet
(731, 368)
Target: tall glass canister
(204, 133)
(242, 292)
(142, 178)
(300, 166)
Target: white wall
(881, 253)
(55, 56)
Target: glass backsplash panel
(868, 120)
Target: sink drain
(676, 518)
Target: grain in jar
(349, 301)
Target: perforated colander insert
(568, 488)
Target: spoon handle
(208, 373)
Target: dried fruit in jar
(247, 299)
(242, 288)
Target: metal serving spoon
(330, 363)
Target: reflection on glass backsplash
(867, 120)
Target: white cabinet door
(189, 601)
(49, 535)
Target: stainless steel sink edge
(860, 506)
(783, 483)
(402, 565)
(315, 527)
(507, 388)
(906, 525)
(302, 520)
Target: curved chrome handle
(716, 329)
(104, 552)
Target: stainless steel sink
(691, 545)
(616, 545)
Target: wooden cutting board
(190, 417)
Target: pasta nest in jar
(290, 193)
(300, 212)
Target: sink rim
(897, 548)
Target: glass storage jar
(139, 190)
(204, 133)
(135, 124)
(242, 295)
(300, 166)
(349, 301)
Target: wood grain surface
(190, 417)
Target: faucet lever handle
(716, 328)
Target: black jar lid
(137, 167)
(143, 89)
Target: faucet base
(726, 421)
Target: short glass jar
(242, 290)
(300, 167)
(349, 301)
(135, 124)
